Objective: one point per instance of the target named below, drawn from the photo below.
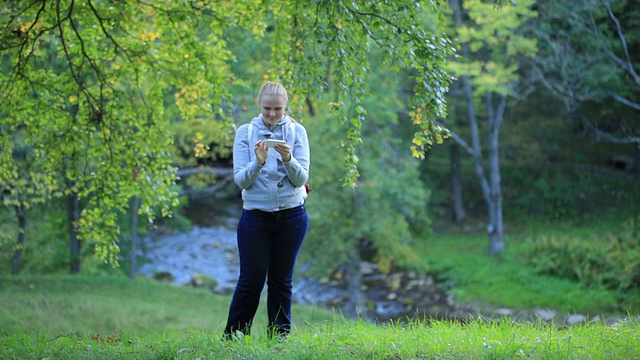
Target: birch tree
(491, 45)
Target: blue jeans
(268, 244)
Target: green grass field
(87, 304)
(506, 281)
(76, 317)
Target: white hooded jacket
(276, 185)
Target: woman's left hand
(284, 150)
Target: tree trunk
(73, 214)
(491, 188)
(636, 158)
(134, 237)
(459, 214)
(22, 226)
(479, 167)
(495, 229)
(356, 306)
(312, 109)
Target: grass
(538, 201)
(87, 304)
(506, 281)
(75, 317)
(503, 281)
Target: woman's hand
(261, 151)
(284, 150)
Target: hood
(257, 121)
(278, 131)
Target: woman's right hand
(262, 151)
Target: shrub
(611, 260)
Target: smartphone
(273, 142)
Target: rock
(505, 312)
(201, 280)
(450, 301)
(196, 280)
(429, 280)
(368, 268)
(575, 319)
(545, 315)
(164, 276)
(395, 281)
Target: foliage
(45, 253)
(87, 84)
(611, 260)
(588, 61)
(99, 89)
(495, 40)
(322, 50)
(387, 210)
(560, 195)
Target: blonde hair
(273, 88)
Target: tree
(589, 56)
(100, 120)
(488, 69)
(24, 186)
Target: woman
(274, 220)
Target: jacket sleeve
(298, 167)
(245, 168)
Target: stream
(209, 250)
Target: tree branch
(90, 98)
(86, 55)
(219, 171)
(629, 64)
(605, 136)
(623, 100)
(457, 139)
(211, 189)
(107, 33)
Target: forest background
(513, 124)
